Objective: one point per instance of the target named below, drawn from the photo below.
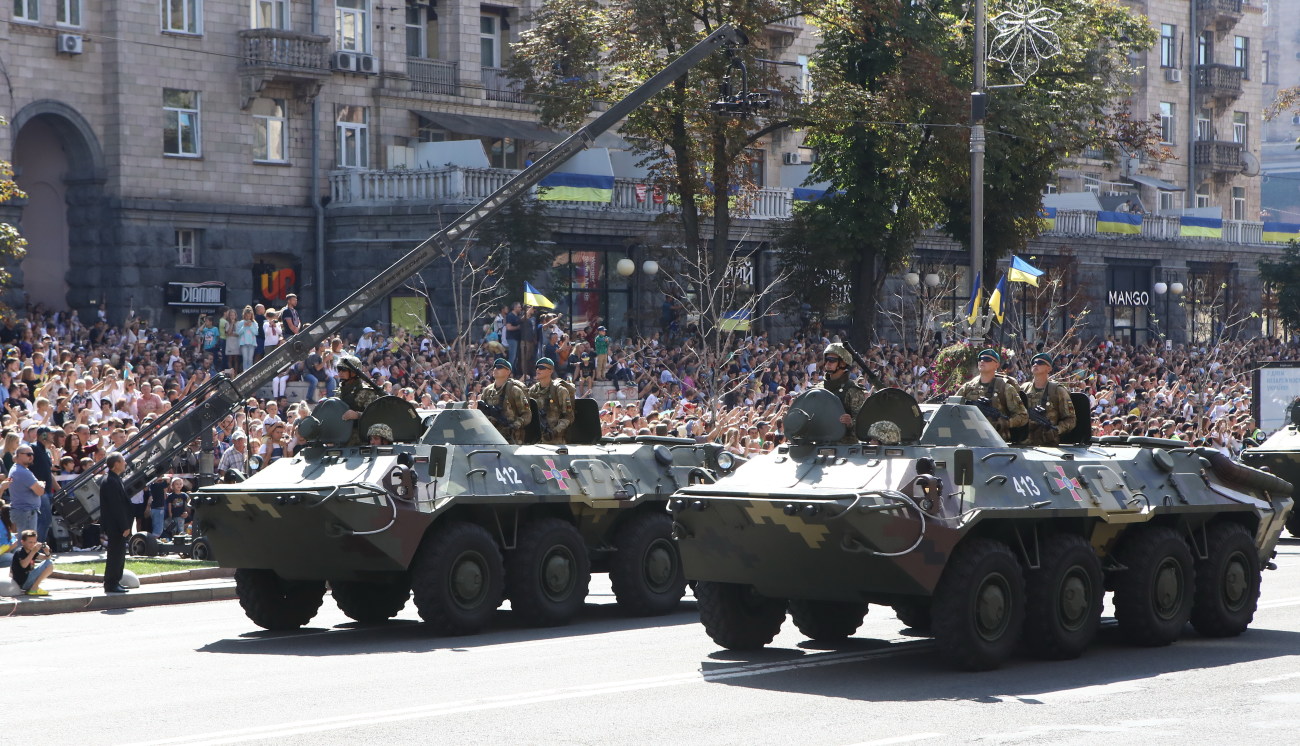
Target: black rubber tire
(1293, 523)
(979, 605)
(370, 603)
(827, 621)
(201, 549)
(277, 604)
(1227, 582)
(143, 545)
(1153, 597)
(736, 617)
(457, 578)
(548, 573)
(914, 614)
(646, 571)
(1063, 598)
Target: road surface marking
(902, 739)
(1275, 679)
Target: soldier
(1004, 410)
(835, 365)
(380, 434)
(354, 392)
(1049, 399)
(554, 397)
(505, 403)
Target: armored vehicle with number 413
(983, 544)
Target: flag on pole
(998, 300)
(534, 298)
(973, 307)
(1022, 271)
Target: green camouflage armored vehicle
(1280, 454)
(453, 515)
(984, 544)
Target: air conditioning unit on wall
(69, 43)
(368, 64)
(1174, 75)
(344, 62)
(791, 159)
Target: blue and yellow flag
(1023, 271)
(1047, 217)
(973, 307)
(569, 187)
(998, 300)
(1129, 223)
(1281, 232)
(1189, 227)
(734, 321)
(534, 298)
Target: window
(1203, 195)
(182, 16)
(1168, 45)
(427, 131)
(421, 31)
(1169, 201)
(1167, 122)
(1204, 125)
(187, 248)
(503, 152)
(27, 10)
(181, 123)
(1266, 65)
(1241, 55)
(1204, 48)
(755, 167)
(270, 130)
(1238, 203)
(269, 14)
(68, 13)
(354, 136)
(490, 40)
(350, 25)
(1239, 127)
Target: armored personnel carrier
(452, 514)
(1280, 454)
(984, 544)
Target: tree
(1283, 283)
(12, 243)
(517, 241)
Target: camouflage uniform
(1002, 393)
(514, 407)
(357, 394)
(555, 407)
(852, 396)
(1060, 412)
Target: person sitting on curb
(24, 569)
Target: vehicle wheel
(914, 613)
(827, 621)
(1063, 598)
(457, 578)
(143, 545)
(1293, 523)
(736, 617)
(370, 602)
(646, 571)
(1153, 597)
(548, 573)
(201, 549)
(979, 605)
(275, 603)
(1227, 582)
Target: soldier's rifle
(1038, 416)
(872, 377)
(988, 408)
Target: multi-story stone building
(1280, 70)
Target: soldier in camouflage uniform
(999, 391)
(354, 392)
(835, 365)
(508, 394)
(554, 399)
(1054, 400)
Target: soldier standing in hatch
(354, 392)
(997, 390)
(554, 402)
(1054, 400)
(507, 403)
(835, 366)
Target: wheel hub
(1168, 594)
(557, 573)
(468, 580)
(660, 566)
(992, 614)
(1075, 599)
(1235, 584)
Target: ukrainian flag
(1281, 232)
(1047, 217)
(734, 321)
(1190, 227)
(973, 307)
(1128, 223)
(998, 300)
(806, 194)
(534, 298)
(566, 187)
(1023, 271)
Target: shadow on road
(410, 636)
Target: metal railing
(433, 76)
(501, 87)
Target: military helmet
(348, 361)
(839, 351)
(888, 433)
(381, 430)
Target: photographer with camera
(25, 570)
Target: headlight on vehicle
(726, 461)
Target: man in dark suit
(115, 519)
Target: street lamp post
(1168, 287)
(626, 267)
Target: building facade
(1281, 70)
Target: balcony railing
(282, 56)
(1218, 157)
(1219, 81)
(1219, 12)
(500, 87)
(1154, 227)
(1243, 231)
(433, 76)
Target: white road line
(285, 730)
(902, 739)
(1275, 679)
(1279, 603)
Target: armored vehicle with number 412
(984, 544)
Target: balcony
(1218, 157)
(1219, 81)
(269, 55)
(433, 76)
(501, 87)
(1222, 14)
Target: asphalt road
(204, 674)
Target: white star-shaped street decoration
(1024, 38)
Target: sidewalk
(88, 595)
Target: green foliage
(12, 244)
(1283, 276)
(141, 567)
(517, 243)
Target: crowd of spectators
(73, 390)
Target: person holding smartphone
(31, 564)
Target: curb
(104, 602)
(201, 573)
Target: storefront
(1129, 299)
(189, 300)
